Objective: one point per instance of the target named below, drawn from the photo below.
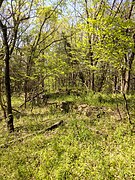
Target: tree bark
(115, 82)
(1, 101)
(10, 125)
(126, 72)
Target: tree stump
(65, 106)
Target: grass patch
(83, 148)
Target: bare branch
(99, 9)
(118, 8)
(1, 1)
(114, 1)
(127, 108)
(57, 40)
(131, 9)
(4, 32)
(40, 30)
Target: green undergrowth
(99, 99)
(83, 148)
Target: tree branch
(1, 1)
(54, 126)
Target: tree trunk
(90, 52)
(126, 73)
(93, 81)
(115, 83)
(1, 101)
(10, 125)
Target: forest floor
(95, 141)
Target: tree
(9, 25)
(10, 125)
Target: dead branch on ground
(52, 127)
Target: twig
(13, 109)
(118, 105)
(30, 99)
(127, 109)
(119, 112)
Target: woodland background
(67, 84)
(66, 45)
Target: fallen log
(54, 126)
